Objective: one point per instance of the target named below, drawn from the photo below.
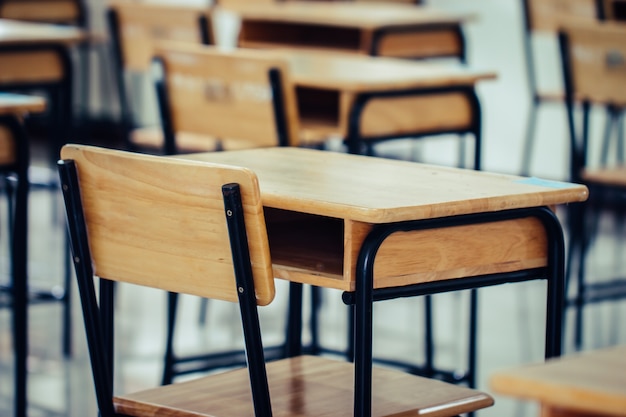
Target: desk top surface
(377, 190)
(357, 73)
(19, 33)
(20, 103)
(357, 15)
(593, 381)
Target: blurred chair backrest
(548, 15)
(136, 27)
(243, 97)
(66, 12)
(595, 62)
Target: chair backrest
(136, 27)
(614, 9)
(243, 97)
(67, 12)
(594, 71)
(549, 15)
(181, 226)
(595, 62)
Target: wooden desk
(14, 157)
(394, 30)
(380, 229)
(588, 383)
(365, 98)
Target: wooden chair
(207, 92)
(63, 12)
(594, 70)
(123, 232)
(543, 18)
(135, 29)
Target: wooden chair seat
(608, 176)
(302, 387)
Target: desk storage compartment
(318, 110)
(256, 33)
(306, 248)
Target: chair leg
(168, 368)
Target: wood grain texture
(227, 94)
(305, 387)
(588, 382)
(161, 222)
(377, 190)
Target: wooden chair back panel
(142, 25)
(46, 11)
(226, 94)
(597, 55)
(160, 222)
(548, 15)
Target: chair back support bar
(243, 97)
(67, 12)
(160, 222)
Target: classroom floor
(511, 316)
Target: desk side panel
(407, 258)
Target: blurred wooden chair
(135, 29)
(542, 18)
(594, 71)
(227, 99)
(243, 98)
(123, 232)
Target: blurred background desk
(396, 30)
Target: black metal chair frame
(582, 221)
(98, 315)
(60, 128)
(614, 114)
(17, 290)
(181, 365)
(127, 119)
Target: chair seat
(608, 176)
(152, 138)
(302, 387)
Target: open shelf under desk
(298, 35)
(323, 251)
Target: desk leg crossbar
(365, 294)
